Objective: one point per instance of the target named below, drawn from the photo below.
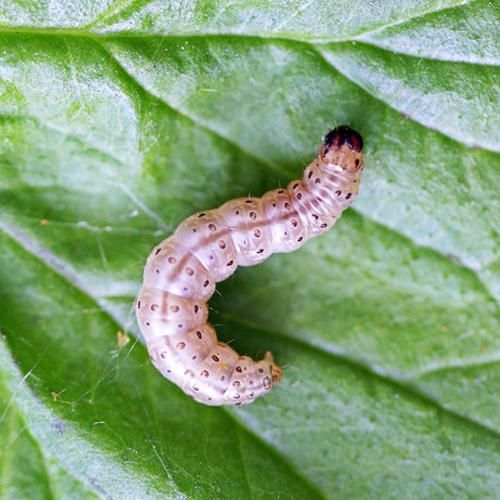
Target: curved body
(181, 272)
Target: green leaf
(120, 119)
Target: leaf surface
(119, 119)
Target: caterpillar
(181, 272)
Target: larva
(181, 272)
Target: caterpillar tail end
(276, 373)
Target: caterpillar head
(342, 147)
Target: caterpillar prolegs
(181, 272)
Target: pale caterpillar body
(181, 272)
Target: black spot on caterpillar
(181, 272)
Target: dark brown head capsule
(344, 135)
